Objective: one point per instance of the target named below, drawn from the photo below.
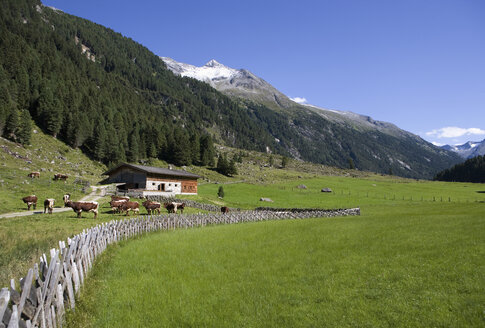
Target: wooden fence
(42, 297)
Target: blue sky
(419, 64)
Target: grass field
(395, 266)
(415, 257)
(24, 239)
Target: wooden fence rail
(41, 298)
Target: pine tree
(351, 164)
(6, 106)
(284, 161)
(12, 125)
(23, 89)
(222, 164)
(133, 149)
(180, 149)
(271, 160)
(207, 151)
(232, 170)
(99, 151)
(25, 128)
(195, 148)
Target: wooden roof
(155, 170)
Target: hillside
(112, 98)
(326, 136)
(47, 156)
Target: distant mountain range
(468, 150)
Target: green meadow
(414, 258)
(407, 261)
(24, 239)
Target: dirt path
(93, 196)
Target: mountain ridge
(468, 150)
(336, 124)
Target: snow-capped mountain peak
(469, 149)
(235, 82)
(210, 72)
(213, 63)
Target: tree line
(472, 170)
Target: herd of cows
(118, 204)
(123, 204)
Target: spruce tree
(232, 170)
(207, 151)
(351, 164)
(222, 164)
(284, 161)
(99, 151)
(12, 125)
(25, 128)
(133, 149)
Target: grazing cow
(79, 207)
(151, 207)
(130, 206)
(170, 207)
(30, 200)
(224, 209)
(126, 198)
(34, 175)
(49, 205)
(116, 205)
(66, 198)
(178, 206)
(59, 176)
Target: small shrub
(220, 192)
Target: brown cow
(66, 198)
(114, 197)
(178, 206)
(79, 207)
(49, 205)
(30, 200)
(59, 176)
(224, 209)
(130, 206)
(34, 175)
(116, 205)
(170, 207)
(151, 207)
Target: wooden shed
(149, 180)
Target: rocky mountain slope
(340, 135)
(232, 82)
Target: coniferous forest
(104, 93)
(472, 170)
